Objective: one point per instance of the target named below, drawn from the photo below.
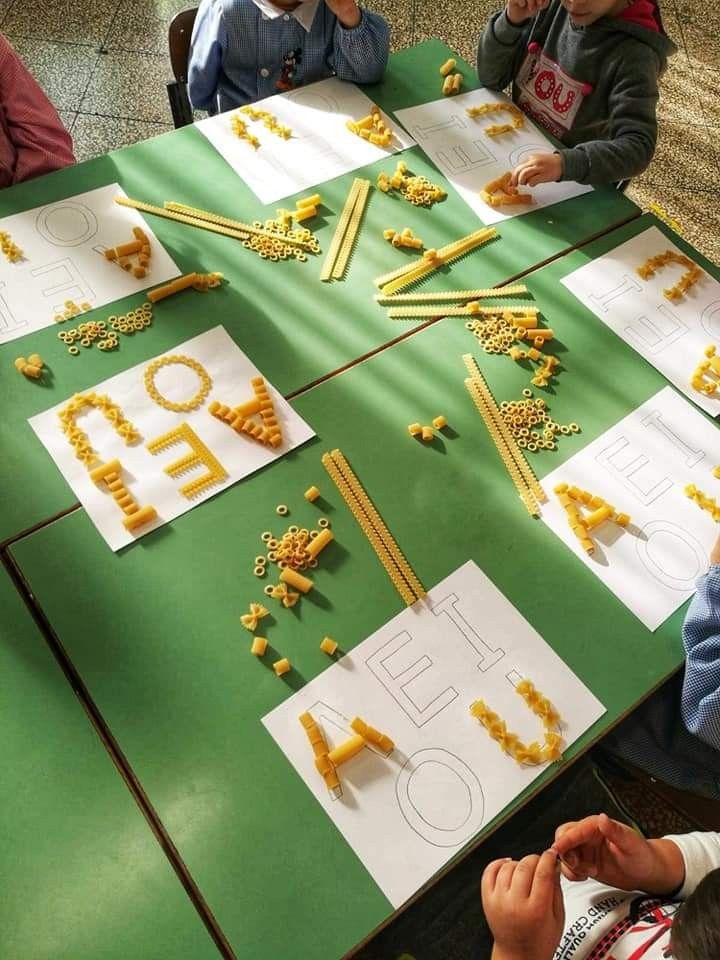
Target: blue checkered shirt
(675, 735)
(239, 55)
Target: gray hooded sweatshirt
(594, 88)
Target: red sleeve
(40, 141)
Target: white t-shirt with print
(602, 923)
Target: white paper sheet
(321, 146)
(670, 336)
(63, 244)
(414, 679)
(469, 158)
(641, 466)
(143, 472)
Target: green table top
(84, 876)
(168, 664)
(295, 328)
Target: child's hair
(696, 927)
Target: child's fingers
(531, 175)
(523, 875)
(563, 828)
(545, 878)
(574, 874)
(578, 834)
(505, 875)
(490, 874)
(617, 835)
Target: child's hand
(518, 11)
(715, 552)
(538, 168)
(347, 12)
(609, 851)
(524, 907)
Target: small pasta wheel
(292, 529)
(313, 563)
(282, 564)
(74, 350)
(273, 556)
(281, 510)
(268, 590)
(323, 522)
(574, 427)
(260, 560)
(259, 571)
(266, 537)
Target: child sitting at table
(621, 897)
(33, 140)
(675, 735)
(587, 71)
(245, 50)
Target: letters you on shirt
(547, 93)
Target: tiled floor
(104, 64)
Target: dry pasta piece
(200, 455)
(251, 619)
(197, 400)
(485, 109)
(372, 128)
(328, 646)
(78, 439)
(320, 749)
(282, 666)
(508, 447)
(686, 282)
(11, 251)
(530, 754)
(373, 526)
(110, 474)
(501, 192)
(242, 417)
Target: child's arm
(33, 127)
(361, 44)
(503, 42)
(524, 907)
(700, 705)
(207, 49)
(631, 129)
